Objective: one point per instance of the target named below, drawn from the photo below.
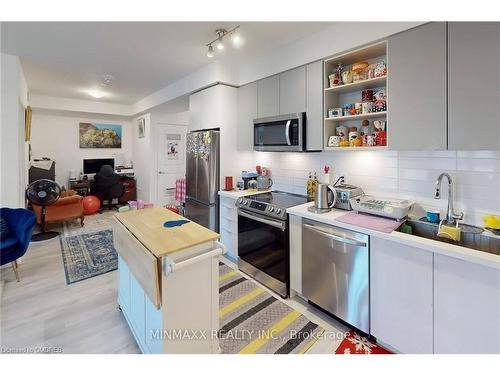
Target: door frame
(156, 147)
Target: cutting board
(147, 225)
(380, 224)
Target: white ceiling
(65, 59)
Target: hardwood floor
(42, 311)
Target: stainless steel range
(263, 246)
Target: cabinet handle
(349, 241)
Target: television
(92, 166)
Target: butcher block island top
(147, 226)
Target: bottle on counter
(314, 184)
(309, 188)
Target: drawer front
(229, 213)
(142, 264)
(230, 240)
(229, 225)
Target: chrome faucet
(451, 216)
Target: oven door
(280, 133)
(263, 250)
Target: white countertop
(235, 194)
(475, 256)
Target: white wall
(57, 136)
(14, 97)
(142, 154)
(405, 174)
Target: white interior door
(171, 160)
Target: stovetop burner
(279, 198)
(273, 204)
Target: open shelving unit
(357, 117)
(344, 94)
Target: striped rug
(252, 321)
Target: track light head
(210, 52)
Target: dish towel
(377, 223)
(180, 190)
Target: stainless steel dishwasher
(335, 272)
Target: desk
(87, 187)
(82, 187)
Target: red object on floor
(91, 204)
(172, 208)
(354, 343)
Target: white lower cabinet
(466, 307)
(141, 314)
(229, 226)
(401, 295)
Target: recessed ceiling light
(96, 93)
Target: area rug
(252, 321)
(354, 343)
(92, 223)
(87, 255)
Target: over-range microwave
(280, 133)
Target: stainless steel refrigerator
(202, 178)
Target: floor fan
(43, 193)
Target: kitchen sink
(472, 237)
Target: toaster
(344, 193)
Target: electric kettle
(264, 183)
(324, 200)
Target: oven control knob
(271, 209)
(245, 202)
(278, 211)
(240, 200)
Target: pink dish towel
(377, 223)
(180, 190)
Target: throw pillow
(4, 229)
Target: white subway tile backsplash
(478, 154)
(478, 165)
(405, 174)
(428, 163)
(479, 178)
(428, 154)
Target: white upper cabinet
(401, 288)
(247, 112)
(314, 106)
(474, 85)
(292, 91)
(269, 96)
(417, 88)
(205, 110)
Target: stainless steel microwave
(280, 133)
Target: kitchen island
(168, 281)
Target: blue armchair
(20, 224)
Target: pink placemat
(380, 224)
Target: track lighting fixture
(219, 41)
